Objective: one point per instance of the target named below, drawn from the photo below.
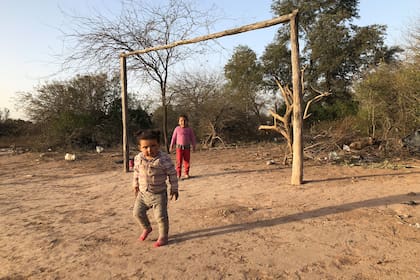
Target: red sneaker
(160, 242)
(145, 233)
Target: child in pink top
(183, 139)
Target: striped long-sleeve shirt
(151, 175)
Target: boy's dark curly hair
(148, 134)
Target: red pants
(182, 156)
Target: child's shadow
(324, 211)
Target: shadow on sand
(320, 212)
(236, 171)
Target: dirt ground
(237, 218)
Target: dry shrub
(333, 134)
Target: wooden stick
(245, 28)
(124, 109)
(297, 161)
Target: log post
(297, 164)
(245, 28)
(123, 79)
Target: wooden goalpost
(292, 18)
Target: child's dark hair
(148, 134)
(183, 116)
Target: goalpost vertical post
(297, 163)
(124, 103)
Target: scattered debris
(333, 156)
(411, 203)
(270, 162)
(404, 216)
(346, 148)
(360, 144)
(70, 157)
(416, 225)
(412, 141)
(13, 150)
(403, 220)
(225, 212)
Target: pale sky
(30, 32)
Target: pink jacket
(183, 136)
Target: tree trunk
(297, 163)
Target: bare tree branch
(283, 124)
(315, 99)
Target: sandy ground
(237, 218)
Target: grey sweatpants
(159, 204)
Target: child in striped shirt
(151, 169)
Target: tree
(412, 42)
(99, 40)
(276, 64)
(388, 95)
(335, 51)
(282, 124)
(80, 95)
(80, 112)
(214, 115)
(389, 99)
(201, 94)
(244, 76)
(11, 129)
(138, 118)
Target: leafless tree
(283, 124)
(98, 40)
(412, 41)
(202, 94)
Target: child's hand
(174, 194)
